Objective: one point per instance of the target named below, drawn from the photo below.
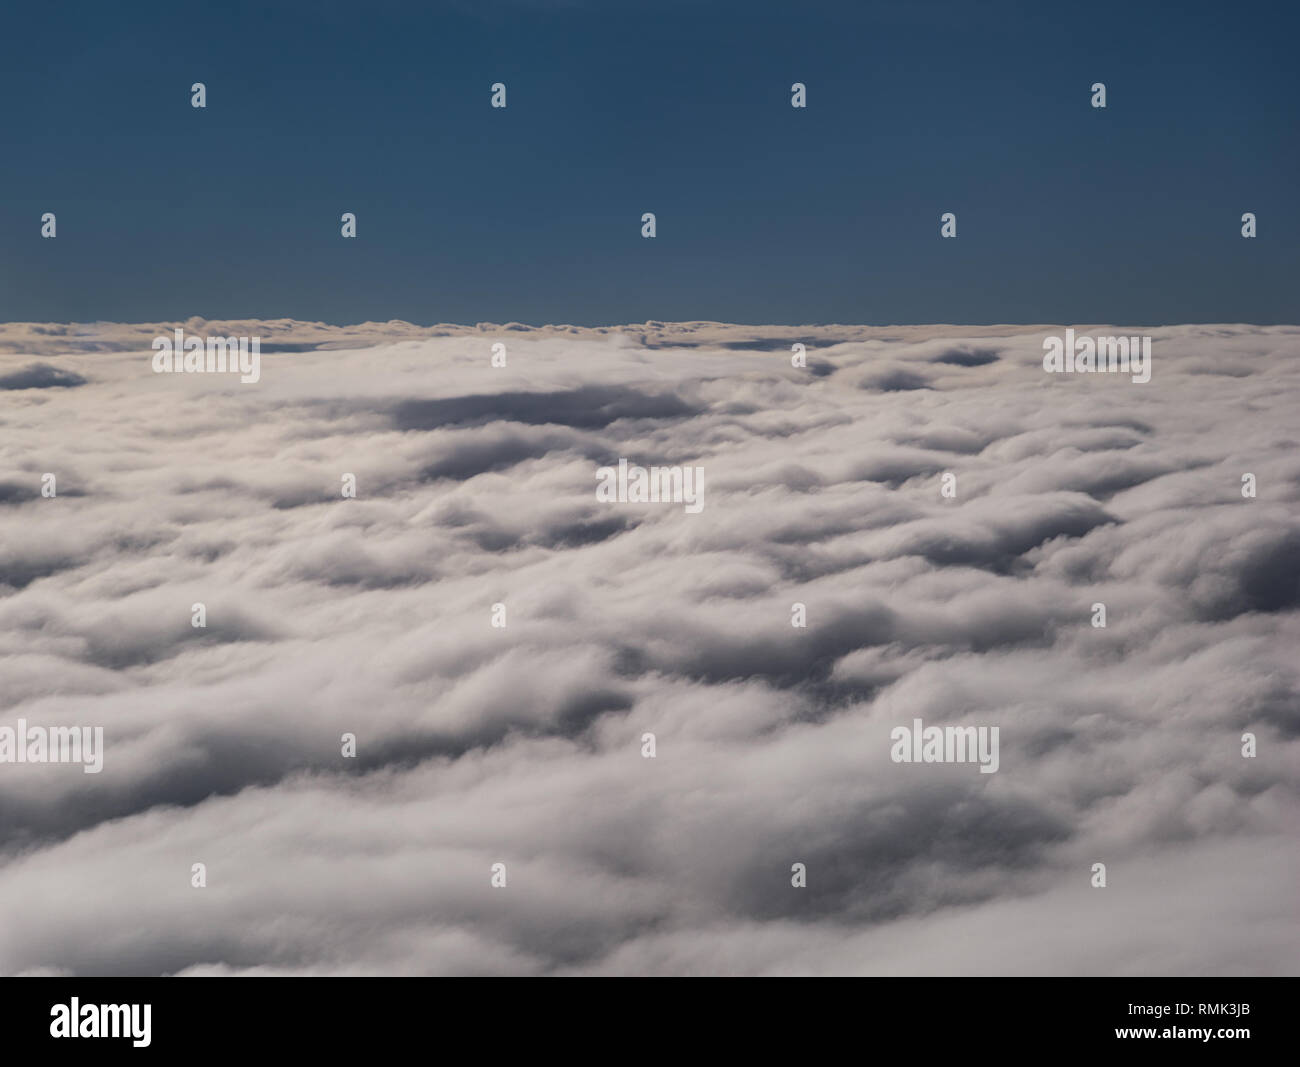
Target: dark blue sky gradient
(766, 213)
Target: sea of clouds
(476, 485)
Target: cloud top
(522, 745)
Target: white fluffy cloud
(476, 485)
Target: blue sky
(765, 213)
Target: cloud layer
(478, 745)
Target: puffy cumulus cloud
(522, 745)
